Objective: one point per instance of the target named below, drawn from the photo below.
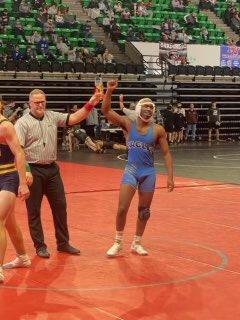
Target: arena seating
(190, 70)
(202, 92)
(62, 94)
(225, 10)
(161, 10)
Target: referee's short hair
(36, 91)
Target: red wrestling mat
(192, 271)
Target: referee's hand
(23, 191)
(29, 178)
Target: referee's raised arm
(82, 113)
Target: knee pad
(143, 213)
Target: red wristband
(89, 106)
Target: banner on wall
(197, 54)
(230, 56)
(172, 51)
(203, 55)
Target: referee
(37, 133)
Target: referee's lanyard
(42, 132)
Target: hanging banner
(230, 56)
(172, 51)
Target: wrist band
(89, 106)
(27, 166)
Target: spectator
(29, 54)
(100, 47)
(214, 121)
(69, 19)
(205, 34)
(18, 29)
(102, 7)
(52, 10)
(141, 10)
(15, 5)
(86, 29)
(79, 56)
(126, 16)
(191, 120)
(177, 4)
(179, 123)
(59, 19)
(106, 24)
(4, 17)
(181, 109)
(168, 119)
(94, 13)
(107, 57)
(71, 54)
(16, 54)
(37, 4)
(191, 20)
(118, 7)
(43, 45)
(25, 8)
(42, 17)
(49, 27)
(62, 46)
(183, 37)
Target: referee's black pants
(47, 181)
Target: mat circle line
(222, 265)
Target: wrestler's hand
(29, 178)
(112, 85)
(170, 184)
(96, 98)
(121, 100)
(23, 191)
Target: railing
(154, 66)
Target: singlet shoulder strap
(1, 121)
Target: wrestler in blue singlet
(9, 179)
(139, 171)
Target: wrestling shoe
(1, 275)
(115, 249)
(67, 248)
(21, 261)
(136, 247)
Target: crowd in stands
(229, 11)
(36, 30)
(45, 30)
(232, 16)
(207, 4)
(175, 21)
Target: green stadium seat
(91, 43)
(28, 31)
(198, 39)
(74, 41)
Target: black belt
(42, 165)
